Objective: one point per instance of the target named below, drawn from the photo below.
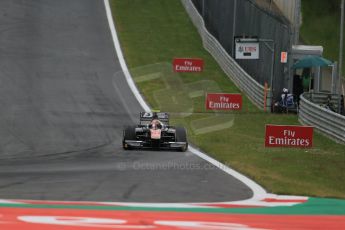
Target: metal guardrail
(246, 83)
(327, 122)
(322, 99)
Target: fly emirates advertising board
(188, 65)
(289, 136)
(223, 101)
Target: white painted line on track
(3, 201)
(122, 60)
(259, 193)
(279, 201)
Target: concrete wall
(289, 7)
(292, 11)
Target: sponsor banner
(289, 136)
(188, 65)
(247, 50)
(223, 101)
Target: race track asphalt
(63, 105)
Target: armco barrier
(246, 83)
(322, 99)
(327, 122)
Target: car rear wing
(146, 117)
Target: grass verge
(152, 33)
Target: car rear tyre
(181, 136)
(128, 134)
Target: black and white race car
(155, 132)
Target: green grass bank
(152, 33)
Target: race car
(154, 132)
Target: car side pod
(128, 144)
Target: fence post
(234, 28)
(265, 96)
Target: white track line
(259, 193)
(4, 201)
(122, 60)
(281, 201)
